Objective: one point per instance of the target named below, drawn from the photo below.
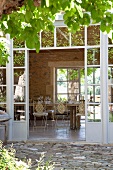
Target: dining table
(72, 107)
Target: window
(19, 76)
(69, 84)
(93, 94)
(3, 87)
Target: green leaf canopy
(29, 20)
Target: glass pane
(19, 58)
(62, 87)
(93, 56)
(77, 39)
(93, 75)
(19, 76)
(19, 93)
(73, 98)
(62, 97)
(82, 90)
(19, 112)
(61, 74)
(93, 113)
(110, 41)
(3, 107)
(110, 55)
(2, 76)
(90, 93)
(93, 93)
(110, 113)
(2, 94)
(47, 39)
(62, 37)
(90, 75)
(110, 93)
(93, 35)
(3, 65)
(82, 81)
(3, 37)
(97, 76)
(73, 74)
(18, 43)
(110, 75)
(97, 93)
(82, 75)
(73, 87)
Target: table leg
(73, 117)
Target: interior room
(57, 76)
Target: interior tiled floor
(61, 132)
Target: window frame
(79, 81)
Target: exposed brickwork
(39, 71)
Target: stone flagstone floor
(67, 155)
(67, 150)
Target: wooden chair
(40, 112)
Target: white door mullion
(9, 81)
(104, 86)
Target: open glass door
(20, 91)
(110, 89)
(92, 84)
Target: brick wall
(40, 71)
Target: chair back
(61, 108)
(39, 108)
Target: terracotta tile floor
(60, 133)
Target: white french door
(93, 88)
(18, 94)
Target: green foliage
(92, 56)
(4, 51)
(8, 161)
(19, 58)
(47, 39)
(73, 74)
(110, 116)
(26, 23)
(110, 53)
(18, 43)
(48, 165)
(78, 37)
(61, 99)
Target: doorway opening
(43, 85)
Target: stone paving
(67, 155)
